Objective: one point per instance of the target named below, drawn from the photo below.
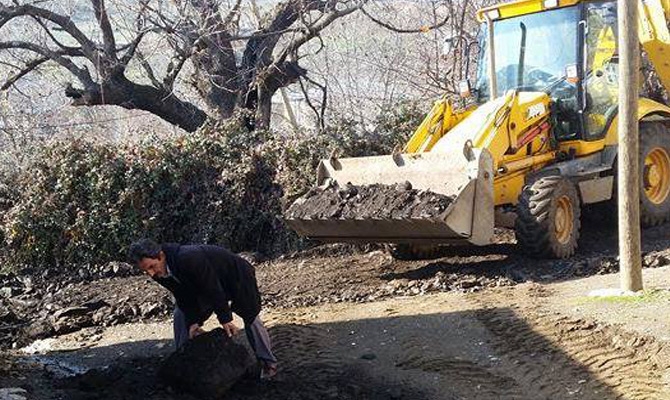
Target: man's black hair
(143, 248)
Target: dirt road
(531, 341)
(478, 323)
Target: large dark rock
(207, 366)
(38, 329)
(71, 319)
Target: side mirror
(572, 73)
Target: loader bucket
(466, 176)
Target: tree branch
(81, 73)
(132, 46)
(314, 30)
(29, 67)
(400, 30)
(77, 51)
(107, 32)
(259, 48)
(261, 35)
(65, 23)
(280, 75)
(147, 67)
(173, 70)
(320, 114)
(71, 51)
(232, 14)
(165, 22)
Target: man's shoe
(268, 372)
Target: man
(207, 279)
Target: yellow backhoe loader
(537, 143)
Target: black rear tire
(549, 218)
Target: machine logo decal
(535, 111)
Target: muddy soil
(32, 307)
(505, 343)
(369, 202)
(311, 369)
(333, 274)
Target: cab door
(601, 68)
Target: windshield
(532, 52)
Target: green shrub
(82, 203)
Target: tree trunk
(216, 73)
(266, 85)
(263, 109)
(216, 82)
(165, 105)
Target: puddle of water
(39, 346)
(41, 352)
(58, 367)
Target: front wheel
(655, 174)
(548, 218)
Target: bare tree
(231, 68)
(396, 56)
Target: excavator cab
(601, 65)
(553, 52)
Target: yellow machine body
(483, 154)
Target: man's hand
(195, 330)
(230, 328)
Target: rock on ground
(13, 394)
(207, 366)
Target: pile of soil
(369, 202)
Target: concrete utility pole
(628, 169)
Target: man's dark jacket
(206, 278)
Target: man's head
(148, 256)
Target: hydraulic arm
(655, 37)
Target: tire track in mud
(303, 351)
(465, 374)
(311, 367)
(555, 356)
